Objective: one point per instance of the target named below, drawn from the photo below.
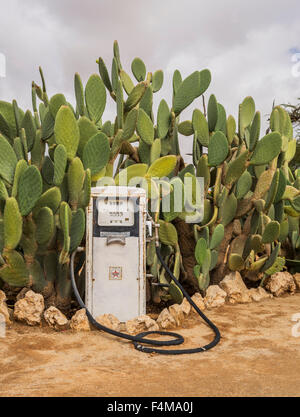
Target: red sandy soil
(257, 356)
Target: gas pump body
(115, 252)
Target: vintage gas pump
(115, 252)
(116, 267)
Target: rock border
(30, 309)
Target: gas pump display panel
(116, 215)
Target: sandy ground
(257, 356)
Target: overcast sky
(248, 46)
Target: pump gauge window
(115, 211)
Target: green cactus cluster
(51, 156)
(44, 190)
(251, 192)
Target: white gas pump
(116, 267)
(115, 252)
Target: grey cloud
(247, 45)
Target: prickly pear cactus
(50, 158)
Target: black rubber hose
(139, 340)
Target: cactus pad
(56, 102)
(271, 232)
(217, 236)
(162, 167)
(77, 229)
(246, 114)
(87, 129)
(200, 126)
(266, 149)
(132, 171)
(157, 80)
(12, 224)
(50, 198)
(60, 163)
(135, 96)
(14, 271)
(235, 262)
(96, 154)
(145, 127)
(186, 128)
(130, 124)
(8, 160)
(66, 131)
(95, 97)
(79, 94)
(200, 251)
(29, 189)
(236, 168)
(138, 69)
(212, 113)
(217, 149)
(76, 176)
(186, 92)
(168, 233)
(243, 185)
(44, 225)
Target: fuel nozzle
(151, 224)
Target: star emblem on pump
(115, 272)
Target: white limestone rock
(185, 307)
(30, 308)
(215, 297)
(235, 288)
(79, 322)
(165, 320)
(199, 301)
(297, 281)
(176, 311)
(56, 319)
(141, 324)
(280, 283)
(259, 294)
(110, 321)
(4, 312)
